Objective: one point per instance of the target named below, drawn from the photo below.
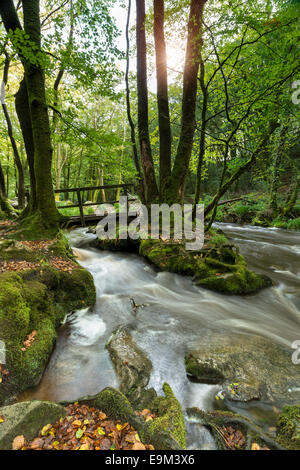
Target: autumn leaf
(18, 443)
(79, 433)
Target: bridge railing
(82, 204)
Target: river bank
(40, 283)
(254, 209)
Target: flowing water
(175, 316)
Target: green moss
(76, 290)
(113, 403)
(14, 310)
(288, 427)
(216, 267)
(242, 281)
(61, 247)
(170, 416)
(37, 299)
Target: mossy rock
(170, 416)
(27, 419)
(217, 267)
(288, 427)
(218, 421)
(240, 282)
(167, 432)
(227, 359)
(37, 300)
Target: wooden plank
(87, 204)
(94, 188)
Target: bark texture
(143, 115)
(165, 138)
(188, 121)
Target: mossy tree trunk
(22, 109)
(165, 138)
(35, 81)
(188, 120)
(151, 189)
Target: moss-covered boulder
(233, 431)
(217, 266)
(166, 432)
(26, 419)
(288, 427)
(246, 367)
(46, 286)
(170, 416)
(132, 365)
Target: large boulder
(248, 367)
(132, 365)
(26, 419)
(166, 432)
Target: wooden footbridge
(83, 219)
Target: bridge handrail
(81, 204)
(94, 188)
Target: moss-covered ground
(40, 283)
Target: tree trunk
(188, 120)
(143, 121)
(22, 109)
(131, 124)
(35, 81)
(165, 138)
(202, 136)
(121, 164)
(2, 182)
(18, 163)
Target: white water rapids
(177, 314)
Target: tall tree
(128, 107)
(165, 137)
(188, 119)
(35, 80)
(143, 114)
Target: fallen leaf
(18, 443)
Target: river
(175, 315)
